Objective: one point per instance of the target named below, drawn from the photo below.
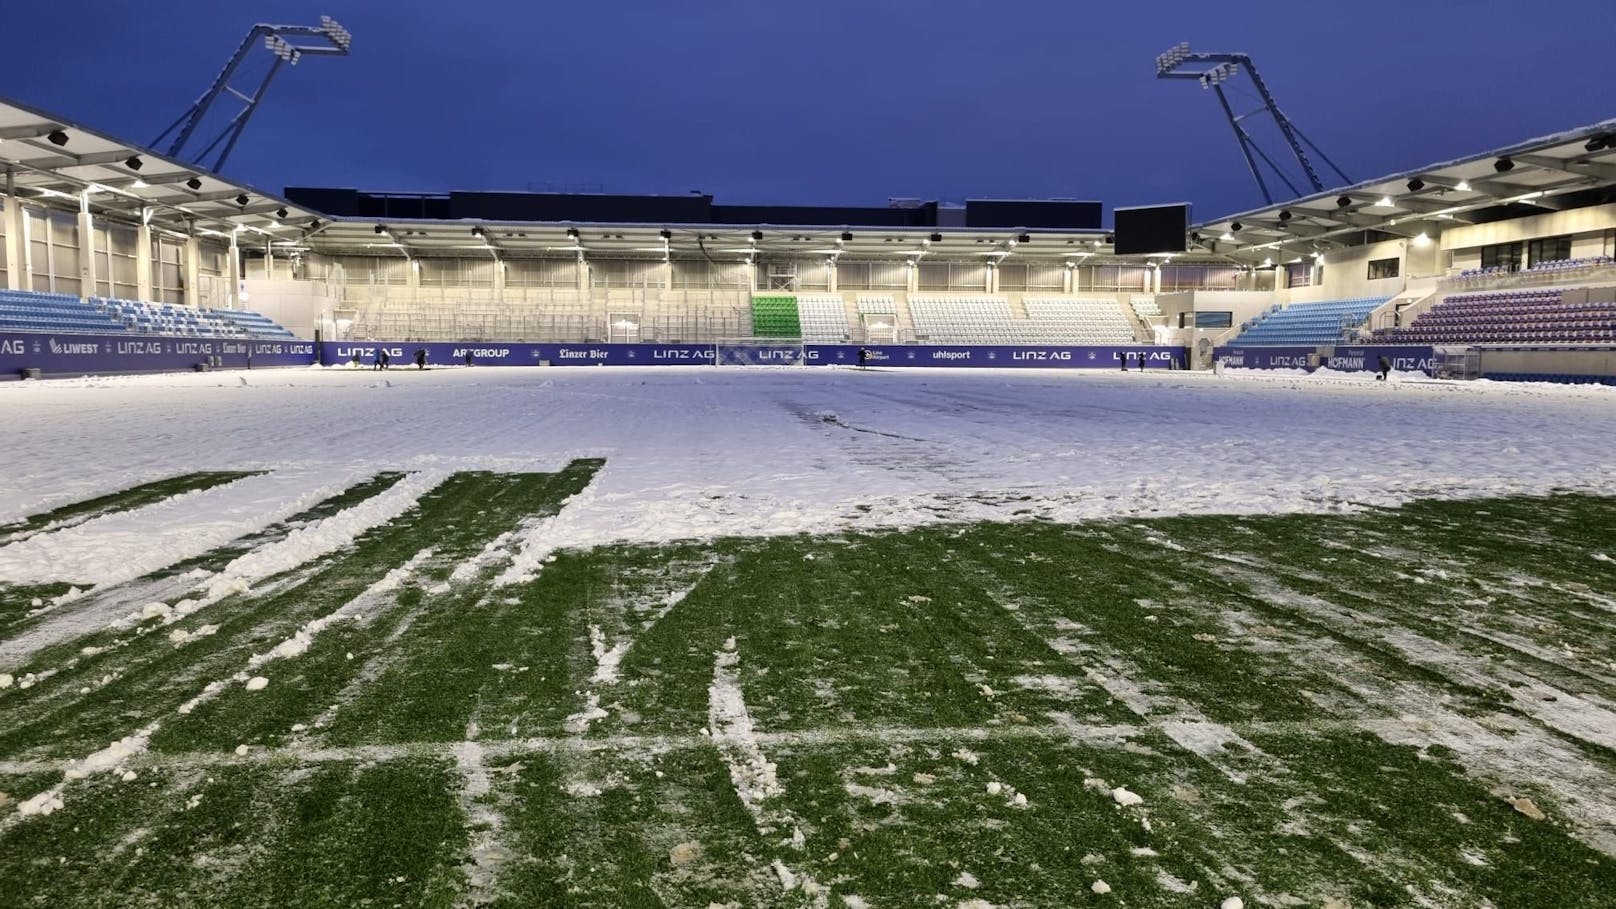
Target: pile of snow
(1126, 798)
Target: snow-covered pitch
(695, 452)
(806, 637)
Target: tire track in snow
(129, 609)
(1499, 751)
(116, 755)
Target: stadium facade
(1497, 263)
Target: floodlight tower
(288, 44)
(1213, 71)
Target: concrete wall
(298, 305)
(1346, 272)
(1549, 362)
(1592, 231)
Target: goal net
(758, 352)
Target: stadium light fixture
(1219, 74)
(241, 199)
(280, 213)
(138, 184)
(133, 162)
(1462, 186)
(194, 183)
(1504, 165)
(1598, 143)
(1385, 202)
(57, 137)
(1284, 215)
(1415, 184)
(1227, 237)
(1343, 202)
(1172, 57)
(1422, 239)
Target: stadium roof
(715, 241)
(1565, 170)
(55, 161)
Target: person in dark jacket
(864, 357)
(381, 359)
(420, 358)
(1385, 369)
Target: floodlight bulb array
(1173, 57)
(278, 46)
(1219, 74)
(333, 29)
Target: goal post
(758, 352)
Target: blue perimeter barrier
(113, 354)
(440, 353)
(1357, 358)
(63, 354)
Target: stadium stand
(991, 320)
(823, 317)
(1146, 309)
(1074, 320)
(1550, 315)
(30, 311)
(36, 311)
(1301, 324)
(961, 319)
(775, 316)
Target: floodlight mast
(1212, 71)
(288, 44)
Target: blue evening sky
(828, 102)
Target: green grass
(1313, 709)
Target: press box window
(1548, 249)
(1383, 268)
(1506, 256)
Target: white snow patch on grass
(1126, 798)
(125, 545)
(752, 773)
(607, 658)
(306, 544)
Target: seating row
(1509, 316)
(1301, 324)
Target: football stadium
(556, 547)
